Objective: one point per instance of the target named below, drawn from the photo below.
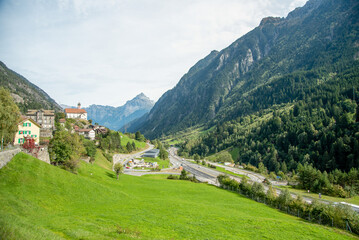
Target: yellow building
(27, 128)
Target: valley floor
(40, 201)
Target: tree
(134, 146)
(183, 175)
(9, 117)
(224, 157)
(284, 198)
(90, 148)
(65, 150)
(196, 157)
(118, 169)
(271, 194)
(163, 153)
(139, 137)
(129, 147)
(284, 167)
(261, 168)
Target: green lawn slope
(125, 139)
(40, 201)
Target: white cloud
(108, 51)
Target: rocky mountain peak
(267, 20)
(116, 117)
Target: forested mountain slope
(26, 94)
(259, 69)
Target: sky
(108, 51)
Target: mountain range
(26, 94)
(29, 96)
(244, 77)
(116, 117)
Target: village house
(27, 128)
(62, 122)
(87, 133)
(76, 113)
(45, 118)
(100, 130)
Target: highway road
(124, 158)
(202, 173)
(209, 175)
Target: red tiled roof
(75, 110)
(85, 130)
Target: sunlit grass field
(125, 139)
(40, 201)
(161, 163)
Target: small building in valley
(27, 128)
(153, 153)
(76, 113)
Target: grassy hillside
(125, 139)
(39, 201)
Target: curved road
(209, 175)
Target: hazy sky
(108, 51)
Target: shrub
(174, 177)
(284, 198)
(183, 175)
(258, 190)
(108, 156)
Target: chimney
(79, 106)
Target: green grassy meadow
(161, 163)
(234, 153)
(125, 139)
(40, 201)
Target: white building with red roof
(76, 113)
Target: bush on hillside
(65, 150)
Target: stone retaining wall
(7, 155)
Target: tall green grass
(40, 201)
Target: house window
(20, 132)
(29, 124)
(25, 132)
(29, 132)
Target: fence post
(309, 216)
(298, 212)
(332, 222)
